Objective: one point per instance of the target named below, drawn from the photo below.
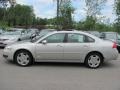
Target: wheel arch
(22, 50)
(94, 52)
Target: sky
(47, 9)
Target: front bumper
(8, 54)
(5, 43)
(2, 45)
(5, 56)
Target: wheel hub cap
(94, 61)
(23, 59)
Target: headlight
(14, 39)
(8, 48)
(10, 41)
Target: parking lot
(59, 76)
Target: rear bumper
(111, 55)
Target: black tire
(26, 58)
(19, 39)
(118, 48)
(94, 60)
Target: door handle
(85, 46)
(59, 45)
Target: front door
(52, 49)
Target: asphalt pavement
(59, 76)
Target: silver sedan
(63, 46)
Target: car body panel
(75, 51)
(49, 51)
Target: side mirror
(44, 42)
(33, 36)
(22, 33)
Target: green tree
(66, 11)
(93, 10)
(40, 21)
(2, 10)
(90, 23)
(117, 9)
(20, 15)
(64, 14)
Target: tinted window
(56, 38)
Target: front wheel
(23, 58)
(94, 60)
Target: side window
(102, 36)
(76, 38)
(89, 39)
(56, 38)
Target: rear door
(76, 47)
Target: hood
(21, 45)
(9, 37)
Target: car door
(52, 48)
(76, 47)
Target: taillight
(114, 45)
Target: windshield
(11, 33)
(41, 34)
(44, 32)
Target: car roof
(71, 32)
(79, 32)
(108, 32)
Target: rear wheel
(94, 60)
(23, 58)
